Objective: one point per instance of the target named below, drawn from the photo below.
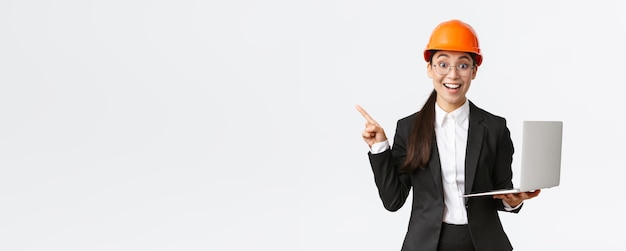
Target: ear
(474, 71)
(429, 70)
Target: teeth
(451, 86)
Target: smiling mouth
(452, 86)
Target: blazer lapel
(475, 135)
(435, 166)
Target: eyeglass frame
(461, 71)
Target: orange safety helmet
(454, 35)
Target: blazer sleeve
(393, 185)
(503, 174)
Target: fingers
(516, 198)
(373, 132)
(530, 195)
(501, 196)
(371, 128)
(366, 115)
(525, 195)
(508, 196)
(368, 133)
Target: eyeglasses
(443, 68)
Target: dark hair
(421, 137)
(422, 134)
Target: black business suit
(487, 166)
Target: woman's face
(451, 72)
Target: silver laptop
(541, 157)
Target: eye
(464, 66)
(443, 65)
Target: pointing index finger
(365, 115)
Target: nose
(453, 72)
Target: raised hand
(372, 133)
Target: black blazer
(487, 166)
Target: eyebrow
(446, 55)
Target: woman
(449, 148)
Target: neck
(450, 107)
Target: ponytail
(421, 137)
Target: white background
(230, 125)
